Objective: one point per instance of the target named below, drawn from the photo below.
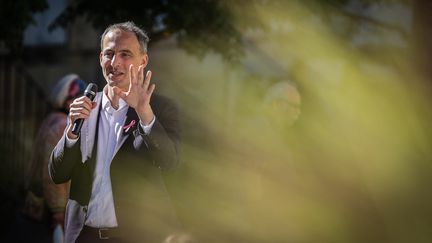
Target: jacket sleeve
(63, 161)
(164, 138)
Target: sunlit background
(318, 132)
(353, 168)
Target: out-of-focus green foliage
(199, 25)
(354, 168)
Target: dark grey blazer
(143, 207)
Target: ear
(145, 60)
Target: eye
(108, 54)
(126, 54)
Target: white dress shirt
(101, 210)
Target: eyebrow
(123, 51)
(126, 50)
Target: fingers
(140, 74)
(151, 89)
(132, 77)
(147, 80)
(81, 108)
(137, 76)
(140, 88)
(119, 92)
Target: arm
(63, 160)
(66, 154)
(162, 141)
(164, 137)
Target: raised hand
(139, 93)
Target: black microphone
(90, 92)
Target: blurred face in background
(284, 105)
(74, 92)
(289, 105)
(120, 49)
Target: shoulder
(162, 104)
(158, 99)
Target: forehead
(120, 39)
(293, 95)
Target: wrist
(69, 133)
(72, 136)
(145, 115)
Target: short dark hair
(129, 26)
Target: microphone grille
(91, 88)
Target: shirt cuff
(147, 129)
(70, 142)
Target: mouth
(115, 74)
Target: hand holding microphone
(80, 109)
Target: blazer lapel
(88, 131)
(131, 123)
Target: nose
(114, 61)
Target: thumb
(119, 92)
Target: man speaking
(129, 135)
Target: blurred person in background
(45, 201)
(282, 103)
(278, 113)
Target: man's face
(285, 108)
(120, 49)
